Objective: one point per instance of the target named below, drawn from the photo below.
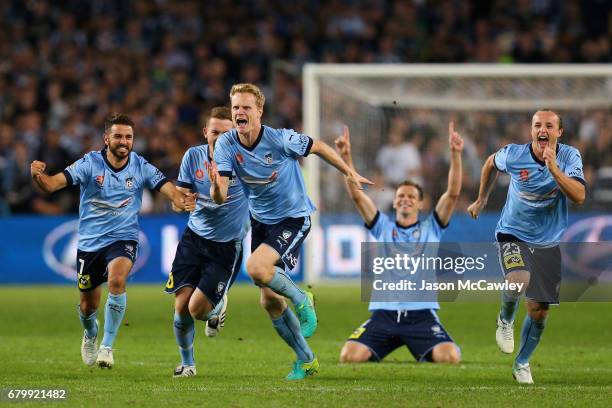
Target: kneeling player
(413, 324)
(209, 255)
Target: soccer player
(209, 255)
(544, 174)
(111, 182)
(413, 324)
(266, 161)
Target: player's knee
(116, 284)
(350, 354)
(446, 353)
(87, 309)
(258, 271)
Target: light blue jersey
(535, 209)
(110, 198)
(221, 223)
(269, 171)
(385, 230)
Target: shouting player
(544, 174)
(112, 182)
(266, 161)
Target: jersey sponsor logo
(99, 180)
(199, 174)
(60, 250)
(273, 176)
(129, 183)
(524, 175)
(268, 158)
(576, 172)
(240, 159)
(539, 197)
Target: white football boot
(105, 357)
(89, 349)
(216, 323)
(522, 373)
(184, 371)
(504, 335)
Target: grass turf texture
(40, 336)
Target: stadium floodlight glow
(363, 95)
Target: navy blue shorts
(285, 237)
(92, 267)
(387, 330)
(209, 265)
(543, 265)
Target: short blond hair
(260, 99)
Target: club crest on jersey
(416, 234)
(524, 175)
(240, 159)
(99, 180)
(220, 287)
(268, 158)
(199, 174)
(129, 182)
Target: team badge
(129, 182)
(268, 157)
(84, 282)
(524, 175)
(199, 174)
(513, 261)
(416, 234)
(240, 159)
(100, 180)
(286, 235)
(220, 287)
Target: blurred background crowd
(66, 65)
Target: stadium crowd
(65, 66)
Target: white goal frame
(313, 73)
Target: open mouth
(542, 141)
(241, 123)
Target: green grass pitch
(245, 366)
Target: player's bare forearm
(183, 190)
(218, 189)
(572, 188)
(364, 204)
(50, 184)
(488, 175)
(446, 203)
(324, 151)
(179, 200)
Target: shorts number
(170, 283)
(512, 255)
(84, 280)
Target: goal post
(371, 97)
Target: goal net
(398, 118)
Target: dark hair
(117, 119)
(555, 112)
(219, 112)
(411, 184)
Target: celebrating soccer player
(112, 182)
(413, 324)
(209, 255)
(266, 161)
(544, 174)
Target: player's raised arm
(218, 184)
(488, 175)
(324, 151)
(48, 184)
(180, 200)
(366, 207)
(446, 203)
(571, 187)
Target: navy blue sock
(530, 337)
(282, 284)
(288, 327)
(184, 331)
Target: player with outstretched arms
(412, 324)
(209, 254)
(266, 161)
(111, 181)
(544, 175)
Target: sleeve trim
(437, 218)
(68, 177)
(310, 143)
(161, 183)
(225, 174)
(495, 165)
(184, 184)
(374, 221)
(580, 180)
